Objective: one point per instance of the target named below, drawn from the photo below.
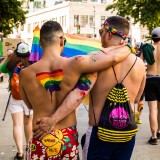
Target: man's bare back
(134, 82)
(42, 102)
(155, 68)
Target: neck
(50, 53)
(157, 43)
(114, 42)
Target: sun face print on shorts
(57, 145)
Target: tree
(146, 12)
(11, 15)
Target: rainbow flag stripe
(36, 50)
(78, 45)
(51, 80)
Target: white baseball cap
(22, 49)
(138, 44)
(156, 33)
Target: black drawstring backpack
(117, 120)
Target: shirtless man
(152, 89)
(131, 73)
(45, 84)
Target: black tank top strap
(115, 74)
(129, 70)
(102, 51)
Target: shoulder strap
(93, 108)
(115, 74)
(102, 51)
(129, 70)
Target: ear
(61, 42)
(122, 42)
(41, 44)
(109, 35)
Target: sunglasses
(63, 39)
(101, 31)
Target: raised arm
(97, 61)
(70, 103)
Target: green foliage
(146, 12)
(11, 15)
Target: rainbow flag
(36, 50)
(78, 45)
(75, 45)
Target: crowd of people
(46, 94)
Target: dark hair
(155, 39)
(119, 23)
(14, 59)
(48, 32)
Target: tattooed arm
(97, 61)
(70, 103)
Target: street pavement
(142, 150)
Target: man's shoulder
(78, 59)
(139, 64)
(27, 73)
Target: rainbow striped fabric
(75, 45)
(51, 80)
(78, 45)
(36, 50)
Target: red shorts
(57, 145)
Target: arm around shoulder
(97, 61)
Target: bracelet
(131, 48)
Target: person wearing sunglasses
(54, 87)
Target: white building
(89, 14)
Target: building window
(103, 1)
(22, 27)
(84, 20)
(91, 21)
(63, 21)
(102, 19)
(29, 28)
(94, 0)
(37, 4)
(76, 20)
(60, 20)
